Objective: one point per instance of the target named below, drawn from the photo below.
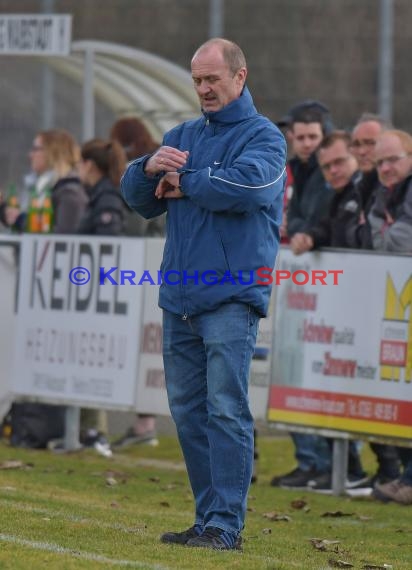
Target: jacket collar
(238, 110)
(310, 165)
(356, 176)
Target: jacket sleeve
(138, 190)
(296, 222)
(358, 235)
(398, 236)
(317, 209)
(321, 233)
(109, 215)
(70, 210)
(253, 181)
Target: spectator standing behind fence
(57, 199)
(309, 122)
(102, 162)
(221, 180)
(136, 140)
(306, 124)
(56, 203)
(340, 169)
(390, 216)
(364, 137)
(391, 225)
(363, 141)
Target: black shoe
(354, 484)
(181, 537)
(131, 438)
(217, 539)
(365, 488)
(296, 479)
(357, 481)
(322, 483)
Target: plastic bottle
(47, 215)
(34, 214)
(12, 198)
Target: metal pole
(88, 96)
(72, 428)
(385, 78)
(339, 465)
(48, 107)
(216, 18)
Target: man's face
(393, 163)
(306, 137)
(364, 138)
(215, 84)
(337, 165)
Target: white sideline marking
(71, 518)
(56, 548)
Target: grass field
(81, 510)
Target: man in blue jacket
(221, 179)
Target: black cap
(307, 105)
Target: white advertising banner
(343, 345)
(9, 247)
(151, 387)
(78, 320)
(259, 381)
(35, 34)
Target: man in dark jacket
(221, 180)
(340, 170)
(339, 167)
(311, 196)
(364, 137)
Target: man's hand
(166, 159)
(283, 230)
(388, 218)
(168, 186)
(301, 243)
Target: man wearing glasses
(339, 167)
(364, 136)
(390, 217)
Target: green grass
(60, 512)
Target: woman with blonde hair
(57, 202)
(56, 189)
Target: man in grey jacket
(390, 217)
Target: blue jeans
(311, 452)
(405, 453)
(207, 359)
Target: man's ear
(242, 74)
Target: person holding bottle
(57, 199)
(56, 203)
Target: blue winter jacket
(227, 225)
